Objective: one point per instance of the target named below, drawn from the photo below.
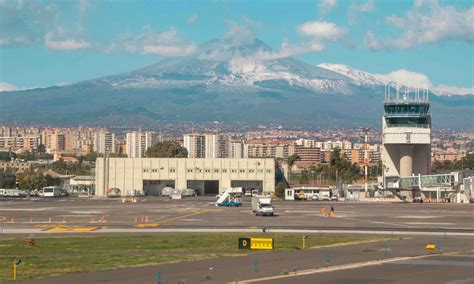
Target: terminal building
(207, 176)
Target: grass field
(62, 255)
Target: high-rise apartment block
(104, 142)
(206, 145)
(139, 141)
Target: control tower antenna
(366, 159)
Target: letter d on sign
(244, 243)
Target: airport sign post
(256, 243)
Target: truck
(262, 206)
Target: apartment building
(206, 145)
(139, 141)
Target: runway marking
(49, 225)
(342, 267)
(26, 209)
(416, 217)
(438, 262)
(425, 223)
(87, 212)
(72, 229)
(370, 221)
(147, 225)
(187, 215)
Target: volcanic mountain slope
(224, 81)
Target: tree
(292, 160)
(166, 149)
(7, 178)
(7, 156)
(91, 157)
(63, 167)
(41, 149)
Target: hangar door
(154, 187)
(204, 187)
(248, 184)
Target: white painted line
(337, 268)
(246, 230)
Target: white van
(51, 191)
(324, 196)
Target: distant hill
(225, 82)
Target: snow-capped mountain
(399, 77)
(243, 82)
(221, 63)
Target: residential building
(206, 145)
(104, 142)
(139, 141)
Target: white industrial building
(207, 176)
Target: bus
(307, 193)
(51, 191)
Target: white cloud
(428, 22)
(6, 87)
(192, 19)
(25, 22)
(287, 49)
(165, 43)
(61, 42)
(170, 51)
(317, 30)
(355, 10)
(418, 80)
(447, 90)
(372, 41)
(84, 5)
(407, 78)
(325, 6)
(241, 33)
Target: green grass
(62, 255)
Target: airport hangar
(208, 176)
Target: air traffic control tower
(406, 135)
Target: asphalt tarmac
(41, 214)
(394, 261)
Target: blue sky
(45, 43)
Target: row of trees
(35, 180)
(166, 149)
(466, 162)
(338, 170)
(27, 156)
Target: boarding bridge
(434, 188)
(429, 181)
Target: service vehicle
(262, 206)
(51, 191)
(324, 196)
(231, 197)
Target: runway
(198, 214)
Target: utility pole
(366, 159)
